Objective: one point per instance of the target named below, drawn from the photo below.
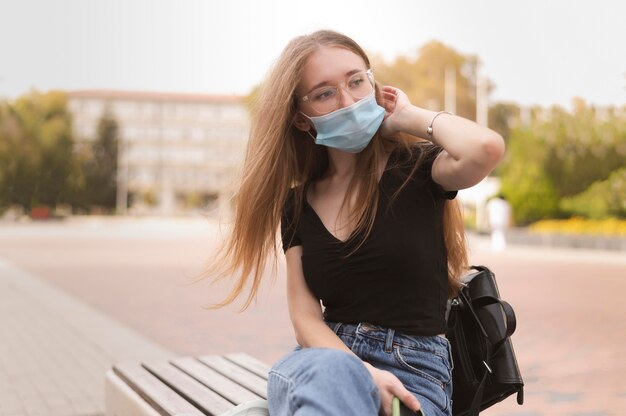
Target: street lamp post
(449, 87)
(482, 103)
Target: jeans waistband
(389, 336)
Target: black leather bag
(480, 325)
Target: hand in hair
(394, 101)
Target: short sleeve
(288, 226)
(425, 169)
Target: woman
(370, 228)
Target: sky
(541, 52)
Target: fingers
(386, 403)
(389, 385)
(389, 88)
(408, 399)
(389, 93)
(389, 101)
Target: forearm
(462, 139)
(312, 332)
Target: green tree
(503, 117)
(9, 133)
(603, 199)
(565, 163)
(36, 147)
(582, 146)
(525, 185)
(101, 166)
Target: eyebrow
(324, 83)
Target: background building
(177, 152)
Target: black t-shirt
(398, 278)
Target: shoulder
(293, 202)
(289, 221)
(289, 201)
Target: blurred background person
(499, 215)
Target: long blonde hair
(280, 157)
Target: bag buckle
(488, 368)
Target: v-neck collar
(318, 219)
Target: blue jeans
(323, 381)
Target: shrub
(578, 225)
(603, 199)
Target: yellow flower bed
(577, 226)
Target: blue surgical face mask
(351, 128)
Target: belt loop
(389, 340)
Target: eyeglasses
(327, 99)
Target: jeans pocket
(424, 363)
(433, 371)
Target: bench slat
(121, 400)
(165, 400)
(195, 392)
(214, 380)
(250, 363)
(234, 372)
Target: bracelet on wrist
(429, 129)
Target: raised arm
(471, 151)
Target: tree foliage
(503, 117)
(40, 164)
(422, 78)
(583, 147)
(36, 150)
(566, 163)
(100, 167)
(525, 185)
(603, 199)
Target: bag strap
(474, 409)
(479, 268)
(511, 322)
(478, 396)
(469, 306)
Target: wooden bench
(189, 386)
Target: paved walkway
(55, 349)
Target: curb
(524, 237)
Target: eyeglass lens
(327, 99)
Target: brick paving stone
(11, 407)
(87, 409)
(56, 400)
(60, 410)
(35, 408)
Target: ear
(301, 122)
